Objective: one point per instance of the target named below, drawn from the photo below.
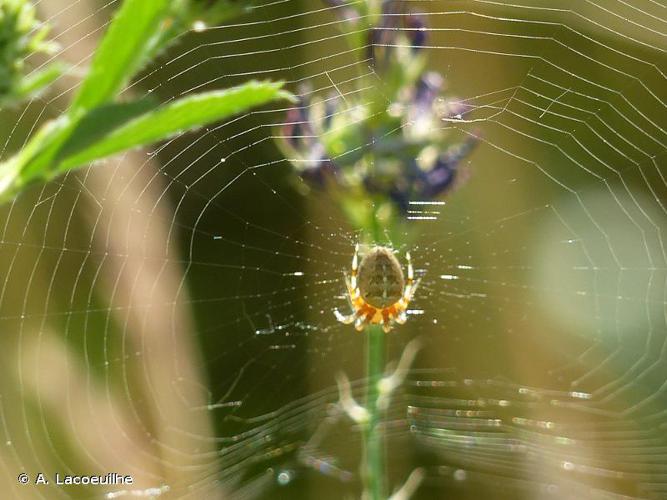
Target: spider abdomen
(380, 278)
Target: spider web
(168, 314)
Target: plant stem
(373, 464)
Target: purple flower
(395, 24)
(403, 154)
(417, 30)
(306, 150)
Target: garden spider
(377, 291)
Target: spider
(377, 290)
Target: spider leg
(346, 319)
(401, 318)
(355, 268)
(352, 290)
(410, 290)
(409, 285)
(366, 314)
(386, 324)
(355, 317)
(402, 304)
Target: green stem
(373, 464)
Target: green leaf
(122, 51)
(32, 162)
(171, 119)
(94, 127)
(65, 144)
(97, 124)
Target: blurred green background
(152, 323)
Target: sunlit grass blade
(98, 123)
(185, 114)
(32, 162)
(110, 129)
(122, 51)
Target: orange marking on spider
(377, 290)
